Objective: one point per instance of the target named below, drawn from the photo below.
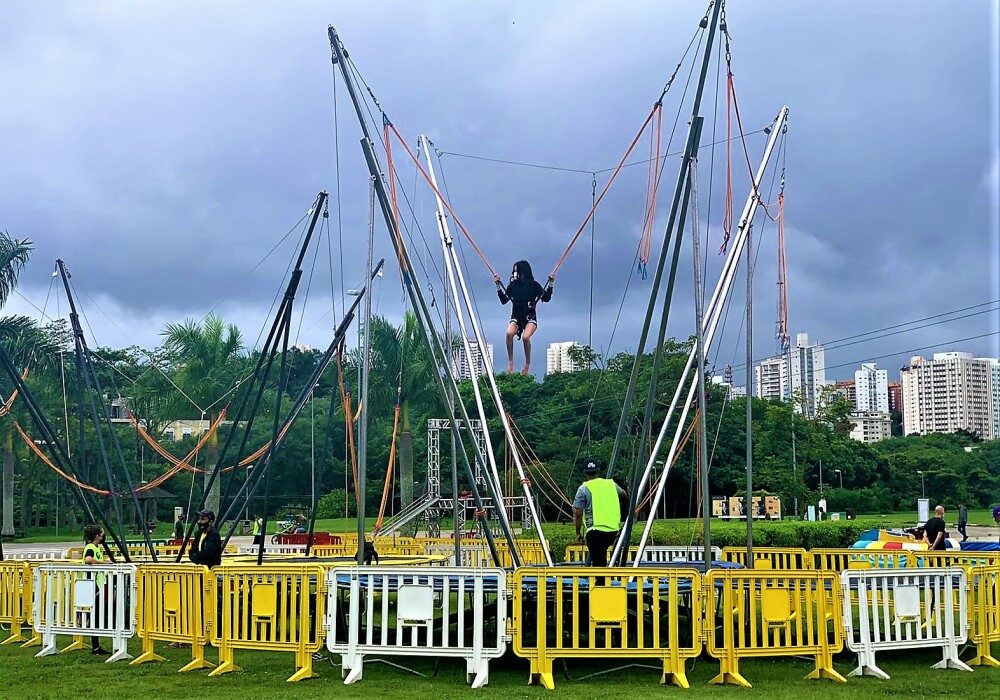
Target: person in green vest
(258, 525)
(598, 503)
(93, 538)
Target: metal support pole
(365, 370)
(749, 382)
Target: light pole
(841, 475)
(923, 492)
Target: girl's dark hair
(523, 270)
(90, 532)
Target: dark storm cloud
(163, 148)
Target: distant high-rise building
(800, 375)
(870, 426)
(995, 394)
(895, 391)
(847, 389)
(732, 392)
(871, 388)
(953, 391)
(559, 359)
(466, 369)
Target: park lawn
(264, 675)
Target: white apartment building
(871, 389)
(870, 426)
(466, 369)
(952, 391)
(801, 373)
(994, 393)
(558, 359)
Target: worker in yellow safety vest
(598, 503)
(258, 525)
(93, 538)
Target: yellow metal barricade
(954, 557)
(610, 613)
(781, 558)
(15, 598)
(838, 560)
(773, 613)
(984, 613)
(175, 604)
(578, 553)
(272, 607)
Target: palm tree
(14, 254)
(393, 348)
(207, 358)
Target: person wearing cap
(206, 549)
(598, 503)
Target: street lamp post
(923, 492)
(841, 475)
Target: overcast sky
(163, 148)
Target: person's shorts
(522, 322)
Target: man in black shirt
(206, 547)
(934, 529)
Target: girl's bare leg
(511, 332)
(526, 339)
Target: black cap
(210, 514)
(590, 467)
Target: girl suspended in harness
(524, 293)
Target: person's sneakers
(100, 651)
(318, 656)
(178, 645)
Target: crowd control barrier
(572, 612)
(34, 554)
(906, 609)
(781, 558)
(837, 560)
(251, 549)
(954, 557)
(272, 607)
(451, 612)
(984, 613)
(15, 609)
(473, 555)
(175, 605)
(85, 601)
(754, 613)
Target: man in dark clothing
(206, 549)
(934, 530)
(179, 527)
(963, 520)
(523, 293)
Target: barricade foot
(678, 678)
(869, 670)
(14, 638)
(826, 672)
(224, 667)
(730, 678)
(47, 650)
(199, 662)
(145, 657)
(542, 674)
(118, 655)
(984, 660)
(952, 662)
(76, 645)
(33, 642)
(301, 674)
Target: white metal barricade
(273, 549)
(81, 600)
(663, 553)
(473, 555)
(453, 612)
(905, 609)
(33, 554)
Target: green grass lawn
(264, 674)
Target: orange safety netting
(389, 470)
(348, 425)
(9, 403)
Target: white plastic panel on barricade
(661, 554)
(454, 612)
(86, 601)
(905, 609)
(33, 554)
(273, 549)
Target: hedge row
(784, 533)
